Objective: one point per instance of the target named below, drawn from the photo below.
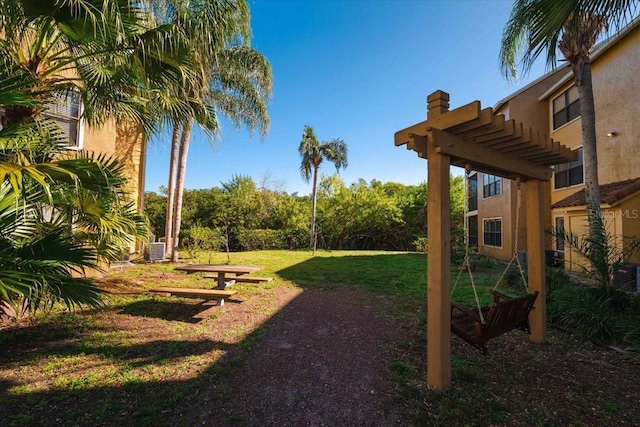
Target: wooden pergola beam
(468, 152)
(463, 114)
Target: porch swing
(477, 325)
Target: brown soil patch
(323, 361)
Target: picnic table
(220, 270)
(206, 294)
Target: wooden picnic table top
(218, 268)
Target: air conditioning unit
(156, 251)
(626, 277)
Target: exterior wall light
(610, 134)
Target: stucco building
(550, 104)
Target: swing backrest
(506, 314)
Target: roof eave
(604, 46)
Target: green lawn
(141, 356)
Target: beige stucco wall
(616, 87)
(497, 207)
(525, 106)
(100, 140)
(130, 149)
(616, 83)
(127, 143)
(616, 90)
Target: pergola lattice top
(479, 139)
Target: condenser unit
(156, 251)
(626, 277)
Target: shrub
(458, 247)
(482, 261)
(257, 239)
(513, 279)
(555, 278)
(197, 238)
(421, 244)
(599, 314)
(296, 238)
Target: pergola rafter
(476, 138)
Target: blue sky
(356, 70)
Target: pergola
(477, 139)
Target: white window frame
(484, 221)
(59, 117)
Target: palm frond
(536, 26)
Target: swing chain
(467, 253)
(515, 258)
(515, 250)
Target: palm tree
(233, 79)
(42, 256)
(313, 153)
(113, 60)
(114, 55)
(571, 26)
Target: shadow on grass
(291, 370)
(216, 394)
(173, 310)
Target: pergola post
(438, 258)
(472, 137)
(536, 259)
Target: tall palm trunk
(180, 176)
(173, 170)
(17, 113)
(589, 148)
(576, 44)
(313, 240)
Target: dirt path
(321, 362)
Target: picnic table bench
(220, 270)
(243, 278)
(216, 294)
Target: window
(66, 112)
(493, 232)
(472, 237)
(559, 228)
(566, 107)
(569, 174)
(491, 185)
(472, 199)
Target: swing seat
(505, 314)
